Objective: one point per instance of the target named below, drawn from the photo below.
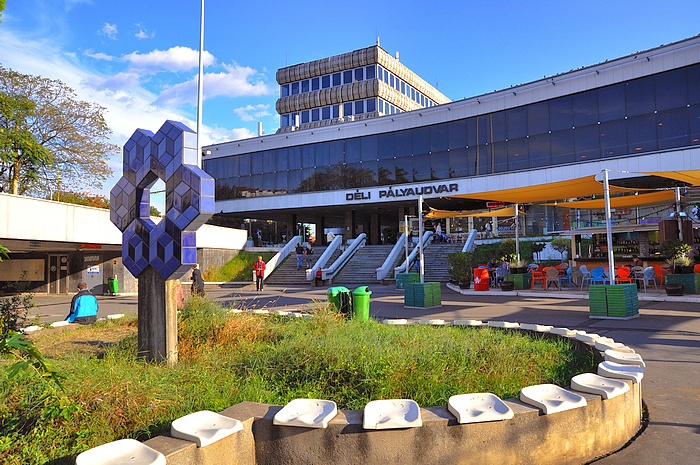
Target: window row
(356, 107)
(329, 80)
(403, 87)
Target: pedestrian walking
(197, 282)
(300, 255)
(259, 267)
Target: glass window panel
(307, 156)
(381, 106)
(694, 84)
(440, 165)
(284, 120)
(304, 86)
(380, 73)
(386, 77)
(459, 164)
(538, 150)
(244, 181)
(613, 138)
(585, 108)
(421, 140)
(347, 109)
(268, 182)
(281, 161)
(438, 137)
(370, 72)
(562, 146)
(293, 180)
(537, 118)
(244, 164)
(641, 133)
(232, 164)
(284, 90)
(369, 148)
(322, 154)
(305, 116)
(347, 76)
(369, 173)
(482, 129)
(315, 83)
(587, 139)
(326, 113)
(611, 102)
(403, 87)
(360, 74)
(639, 96)
(517, 122)
(336, 111)
(359, 107)
(269, 161)
(337, 152)
(672, 127)
(294, 158)
(671, 90)
(315, 115)
(385, 172)
(404, 143)
(371, 105)
(308, 180)
(694, 118)
(295, 88)
(391, 80)
(404, 170)
(498, 130)
(336, 79)
(457, 134)
(385, 146)
(421, 167)
(518, 157)
(326, 81)
(281, 181)
(471, 132)
(353, 150)
(561, 113)
(500, 156)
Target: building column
(349, 224)
(374, 229)
(320, 226)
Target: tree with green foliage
(97, 201)
(72, 135)
(538, 247)
(561, 245)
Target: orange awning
(625, 201)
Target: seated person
(83, 307)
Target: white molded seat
(591, 383)
(120, 452)
(397, 321)
(621, 371)
(625, 358)
(31, 329)
(605, 343)
(281, 312)
(563, 332)
(478, 407)
(503, 324)
(468, 323)
(551, 398)
(115, 316)
(392, 413)
(432, 322)
(204, 427)
(586, 337)
(306, 413)
(58, 324)
(536, 327)
(261, 311)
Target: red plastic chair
(623, 275)
(696, 268)
(660, 274)
(538, 275)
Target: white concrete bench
(551, 398)
(306, 413)
(478, 407)
(395, 321)
(435, 322)
(204, 427)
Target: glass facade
(653, 113)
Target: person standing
(197, 282)
(259, 267)
(308, 251)
(260, 239)
(83, 307)
(300, 255)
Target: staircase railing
(323, 259)
(470, 243)
(384, 270)
(280, 256)
(340, 262)
(412, 256)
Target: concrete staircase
(287, 274)
(362, 268)
(435, 256)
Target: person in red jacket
(259, 268)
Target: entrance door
(58, 274)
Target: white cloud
(98, 55)
(252, 112)
(174, 59)
(110, 30)
(143, 33)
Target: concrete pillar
(320, 226)
(157, 317)
(374, 229)
(349, 224)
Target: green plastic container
(113, 285)
(360, 303)
(339, 296)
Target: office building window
(304, 116)
(336, 79)
(336, 111)
(347, 77)
(284, 120)
(371, 105)
(284, 90)
(326, 81)
(359, 107)
(295, 88)
(369, 72)
(347, 109)
(326, 113)
(315, 114)
(360, 74)
(315, 83)
(304, 86)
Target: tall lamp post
(200, 86)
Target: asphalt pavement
(666, 334)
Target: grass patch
(239, 268)
(228, 358)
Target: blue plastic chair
(648, 275)
(585, 275)
(598, 276)
(565, 279)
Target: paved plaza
(666, 334)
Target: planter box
(690, 282)
(521, 280)
(403, 278)
(619, 301)
(422, 295)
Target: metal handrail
(470, 243)
(325, 256)
(412, 256)
(280, 256)
(334, 269)
(384, 270)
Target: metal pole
(608, 229)
(517, 236)
(678, 214)
(420, 237)
(200, 88)
(405, 238)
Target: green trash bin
(339, 296)
(360, 303)
(113, 285)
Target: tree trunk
(14, 183)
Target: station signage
(492, 205)
(401, 192)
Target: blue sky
(138, 59)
